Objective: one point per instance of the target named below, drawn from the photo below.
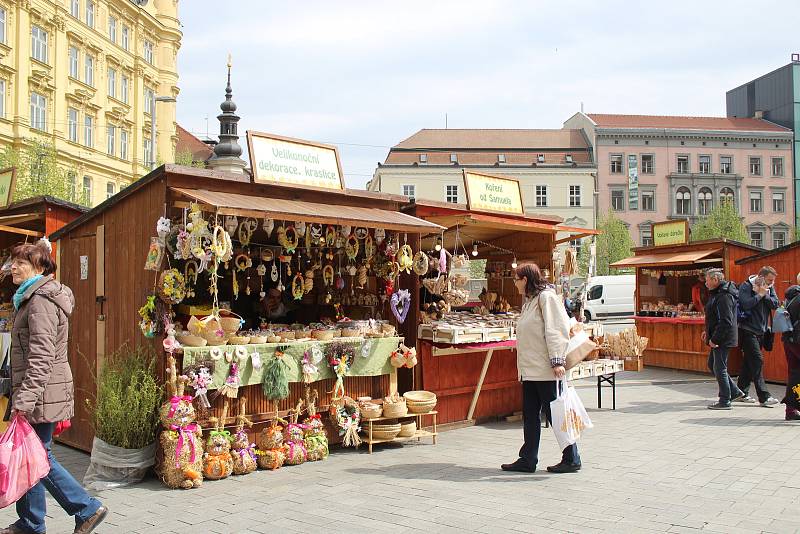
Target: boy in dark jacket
(757, 299)
(720, 334)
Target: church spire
(227, 152)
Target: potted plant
(124, 416)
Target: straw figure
(243, 451)
(315, 439)
(270, 445)
(294, 438)
(218, 462)
(181, 439)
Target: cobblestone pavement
(661, 462)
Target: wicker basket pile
(420, 401)
(386, 431)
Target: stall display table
(606, 373)
(418, 435)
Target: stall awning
(298, 210)
(669, 259)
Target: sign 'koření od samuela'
(493, 193)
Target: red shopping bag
(23, 460)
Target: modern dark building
(776, 98)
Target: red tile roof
(188, 142)
(685, 123)
(453, 139)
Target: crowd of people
(742, 316)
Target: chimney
(759, 114)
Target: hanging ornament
(362, 233)
(268, 226)
(346, 230)
(339, 282)
(281, 287)
(341, 239)
(380, 235)
(298, 287)
(421, 262)
(369, 248)
(400, 303)
(300, 226)
(267, 255)
(351, 248)
(231, 224)
(330, 236)
(327, 275)
(443, 261)
(274, 273)
(261, 270)
(190, 276)
(405, 259)
(308, 285)
(246, 230)
(352, 269)
(362, 276)
(316, 232)
(290, 240)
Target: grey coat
(40, 374)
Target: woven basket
(407, 429)
(382, 431)
(322, 335)
(421, 407)
(230, 324)
(287, 335)
(302, 334)
(238, 340)
(420, 401)
(351, 332)
(396, 409)
(371, 411)
(188, 340)
(259, 340)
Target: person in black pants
(757, 299)
(720, 334)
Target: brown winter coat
(40, 374)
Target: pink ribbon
(174, 401)
(190, 429)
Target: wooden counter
(677, 345)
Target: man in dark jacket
(720, 334)
(792, 397)
(757, 299)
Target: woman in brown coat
(42, 389)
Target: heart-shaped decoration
(400, 304)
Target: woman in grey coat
(42, 389)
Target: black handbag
(768, 339)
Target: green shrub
(125, 411)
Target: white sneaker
(747, 399)
(770, 402)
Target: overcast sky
(366, 75)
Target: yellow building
(84, 75)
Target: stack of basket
(419, 402)
(386, 431)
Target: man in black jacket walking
(757, 299)
(720, 334)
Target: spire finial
(230, 64)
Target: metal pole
(153, 133)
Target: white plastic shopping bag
(569, 416)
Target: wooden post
(477, 393)
(100, 293)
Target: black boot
(564, 467)
(520, 465)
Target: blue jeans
(31, 508)
(536, 397)
(718, 364)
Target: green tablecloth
(372, 359)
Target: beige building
(84, 75)
(554, 167)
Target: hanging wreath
(149, 322)
(327, 275)
(369, 247)
(246, 229)
(421, 263)
(243, 262)
(351, 247)
(298, 286)
(221, 244)
(172, 286)
(347, 418)
(405, 259)
(362, 233)
(400, 303)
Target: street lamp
(153, 127)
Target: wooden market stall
(114, 239)
(785, 260)
(476, 378)
(665, 276)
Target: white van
(610, 297)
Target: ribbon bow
(181, 430)
(225, 433)
(174, 401)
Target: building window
(541, 196)
(755, 202)
(112, 29)
(87, 189)
(423, 158)
(778, 239)
(111, 189)
(683, 164)
(778, 202)
(88, 74)
(726, 164)
(72, 124)
(111, 136)
(647, 237)
(757, 238)
(72, 183)
(574, 196)
(75, 8)
(73, 62)
(453, 158)
(648, 201)
(38, 112)
(618, 199)
(705, 164)
(648, 164)
(112, 83)
(451, 194)
(123, 86)
(616, 163)
(123, 144)
(148, 152)
(705, 201)
(38, 44)
(2, 99)
(149, 96)
(410, 191)
(90, 13)
(501, 158)
(683, 201)
(755, 166)
(148, 52)
(125, 42)
(88, 131)
(777, 166)
(726, 195)
(2, 25)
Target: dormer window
(540, 159)
(569, 158)
(423, 158)
(453, 158)
(501, 158)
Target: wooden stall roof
(687, 254)
(297, 210)
(29, 217)
(669, 259)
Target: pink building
(655, 168)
